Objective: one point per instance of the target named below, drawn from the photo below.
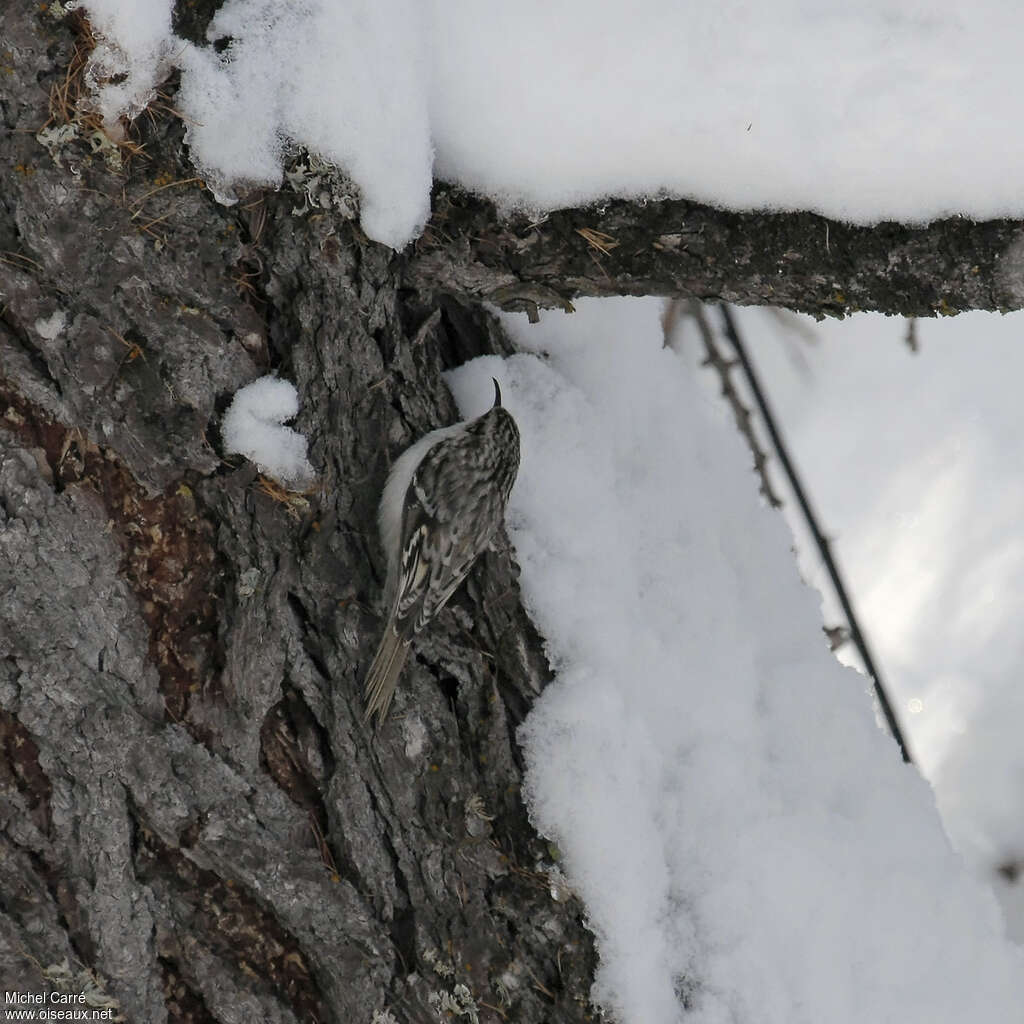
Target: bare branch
(714, 358)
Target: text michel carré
(21, 998)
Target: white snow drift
(744, 835)
(867, 111)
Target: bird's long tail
(382, 678)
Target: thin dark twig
(824, 548)
(714, 358)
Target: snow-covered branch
(800, 261)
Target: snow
(865, 112)
(252, 427)
(743, 834)
(135, 44)
(345, 80)
(912, 460)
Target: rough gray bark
(195, 822)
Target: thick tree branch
(800, 261)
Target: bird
(442, 505)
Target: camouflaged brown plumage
(442, 505)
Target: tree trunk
(196, 824)
(191, 805)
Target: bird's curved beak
(497, 393)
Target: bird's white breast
(392, 501)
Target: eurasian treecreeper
(443, 502)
